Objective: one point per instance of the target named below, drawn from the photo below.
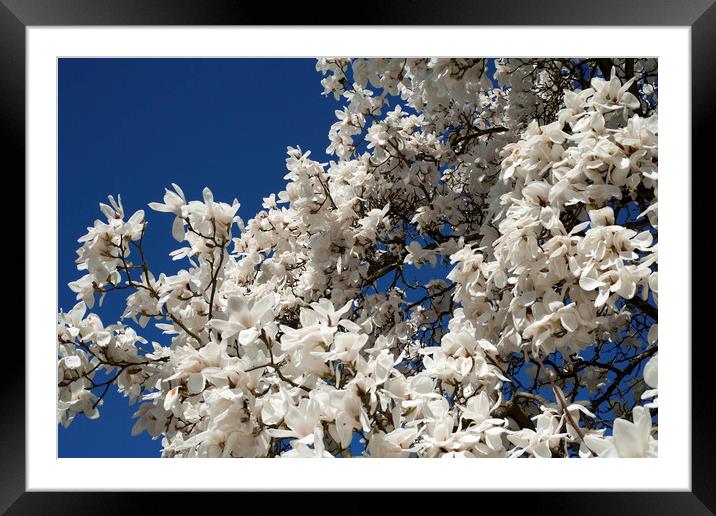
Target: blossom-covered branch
(475, 275)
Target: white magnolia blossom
(527, 198)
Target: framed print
(400, 237)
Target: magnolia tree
(474, 274)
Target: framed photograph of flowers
(407, 237)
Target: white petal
(248, 336)
(587, 283)
(136, 217)
(626, 439)
(542, 451)
(651, 372)
(157, 206)
(178, 229)
(171, 397)
(569, 321)
(137, 428)
(73, 362)
(265, 304)
(195, 383)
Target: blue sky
(132, 127)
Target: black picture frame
(700, 15)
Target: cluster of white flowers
(307, 332)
